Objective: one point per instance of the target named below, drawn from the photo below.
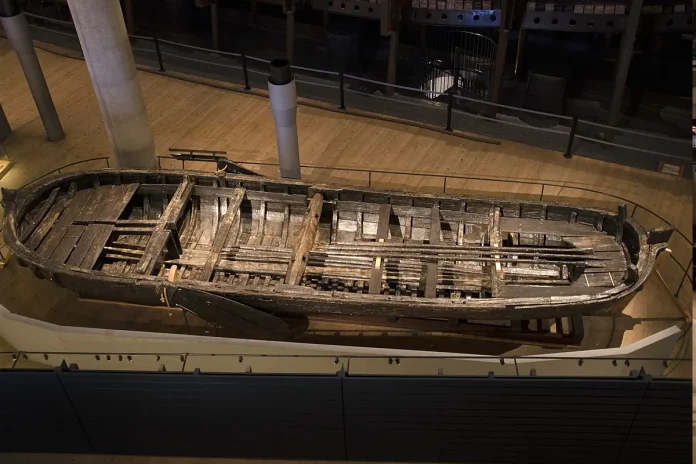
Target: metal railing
(569, 135)
(518, 366)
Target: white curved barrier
(102, 349)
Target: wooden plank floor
(184, 114)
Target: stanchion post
(246, 73)
(455, 86)
(571, 139)
(159, 53)
(340, 87)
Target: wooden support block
(228, 221)
(305, 241)
(382, 235)
(39, 217)
(431, 276)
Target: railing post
(573, 128)
(450, 102)
(246, 73)
(455, 86)
(159, 53)
(340, 87)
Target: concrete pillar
(391, 65)
(16, 28)
(290, 35)
(283, 96)
(624, 61)
(215, 22)
(5, 129)
(102, 33)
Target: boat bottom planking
(290, 247)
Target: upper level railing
(445, 111)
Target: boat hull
(282, 298)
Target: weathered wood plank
(273, 197)
(101, 237)
(431, 273)
(541, 226)
(497, 277)
(74, 207)
(413, 211)
(94, 206)
(382, 234)
(40, 215)
(53, 239)
(121, 195)
(83, 245)
(45, 226)
(620, 220)
(167, 221)
(67, 244)
(305, 241)
(176, 206)
(596, 242)
(221, 236)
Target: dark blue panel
(241, 416)
(489, 419)
(35, 415)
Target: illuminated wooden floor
(190, 115)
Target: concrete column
(215, 22)
(283, 96)
(624, 61)
(17, 30)
(5, 129)
(290, 35)
(391, 65)
(102, 33)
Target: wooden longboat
(251, 247)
